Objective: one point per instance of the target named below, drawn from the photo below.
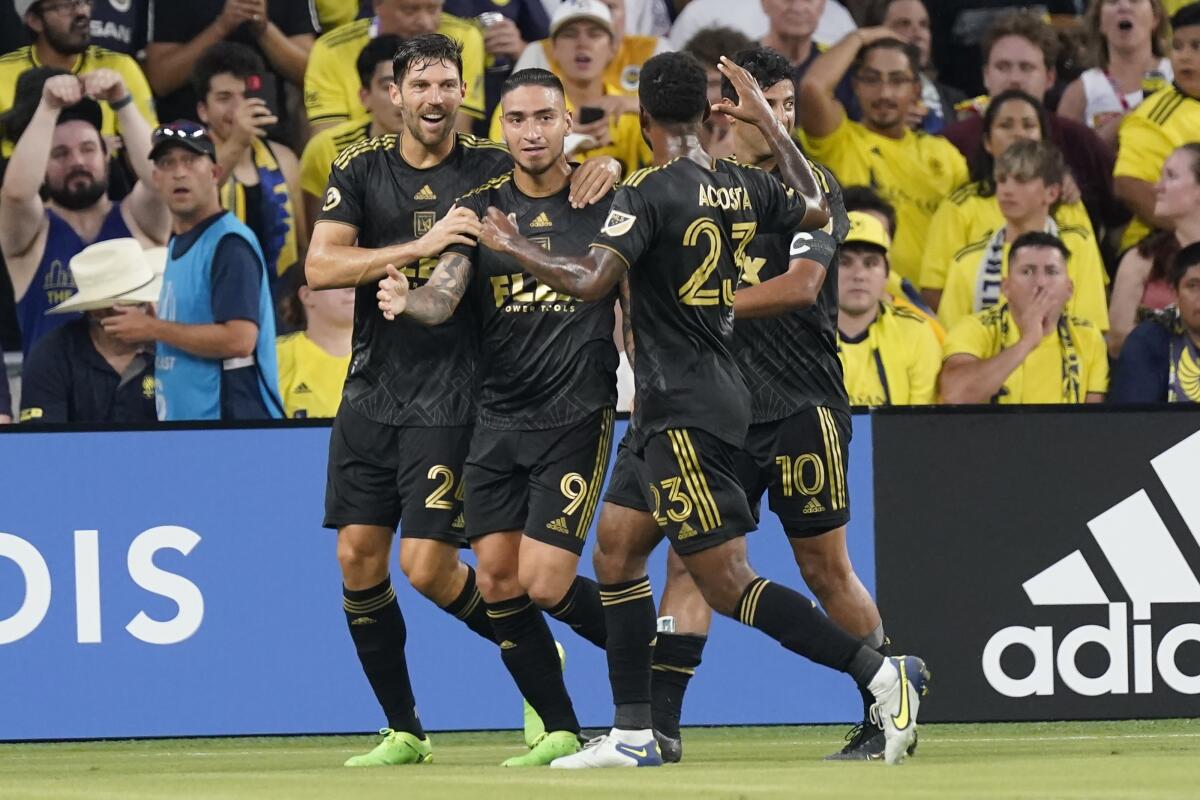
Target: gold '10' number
(437, 498)
(706, 232)
(794, 474)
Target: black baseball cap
(182, 133)
(28, 95)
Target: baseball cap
(28, 95)
(23, 6)
(182, 133)
(574, 10)
(867, 229)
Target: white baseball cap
(575, 10)
(23, 6)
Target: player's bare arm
(587, 277)
(794, 290)
(626, 320)
(433, 303)
(752, 107)
(593, 180)
(334, 262)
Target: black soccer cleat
(865, 742)
(670, 749)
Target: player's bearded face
(428, 97)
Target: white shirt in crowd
(697, 15)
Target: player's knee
(497, 582)
(547, 591)
(363, 564)
(614, 566)
(828, 577)
(722, 589)
(427, 576)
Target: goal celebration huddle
(479, 405)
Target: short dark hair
(983, 164)
(910, 52)
(380, 49)
(534, 76)
(1184, 260)
(865, 198)
(673, 89)
(1186, 16)
(709, 44)
(1038, 239)
(875, 11)
(765, 65)
(224, 58)
(1028, 25)
(426, 49)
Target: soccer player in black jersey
(797, 447)
(547, 388)
(401, 434)
(679, 231)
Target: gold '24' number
(437, 498)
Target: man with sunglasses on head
(61, 36)
(214, 332)
(60, 151)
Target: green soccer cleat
(555, 744)
(396, 748)
(533, 726)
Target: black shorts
(801, 463)
(387, 475)
(690, 483)
(624, 485)
(545, 483)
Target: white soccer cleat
(617, 749)
(898, 688)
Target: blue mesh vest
(53, 283)
(188, 386)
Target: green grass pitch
(1046, 760)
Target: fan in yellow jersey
(1028, 349)
(622, 73)
(331, 80)
(375, 74)
(313, 362)
(1029, 177)
(972, 211)
(890, 355)
(1166, 120)
(581, 36)
(335, 13)
(913, 171)
(62, 37)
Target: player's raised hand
(593, 180)
(393, 293)
(498, 230)
(752, 105)
(459, 226)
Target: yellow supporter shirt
(12, 64)
(1163, 122)
(310, 380)
(1063, 368)
(336, 13)
(627, 146)
(317, 158)
(626, 67)
(1084, 267)
(914, 174)
(966, 217)
(896, 361)
(331, 80)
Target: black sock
(580, 608)
(630, 619)
(796, 623)
(527, 648)
(470, 608)
(377, 628)
(676, 656)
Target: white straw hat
(113, 272)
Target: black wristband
(117, 105)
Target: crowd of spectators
(1023, 181)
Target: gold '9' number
(693, 291)
(574, 488)
(437, 498)
(794, 474)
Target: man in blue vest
(215, 327)
(59, 149)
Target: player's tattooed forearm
(434, 302)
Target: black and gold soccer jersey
(402, 372)
(547, 359)
(790, 362)
(683, 230)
